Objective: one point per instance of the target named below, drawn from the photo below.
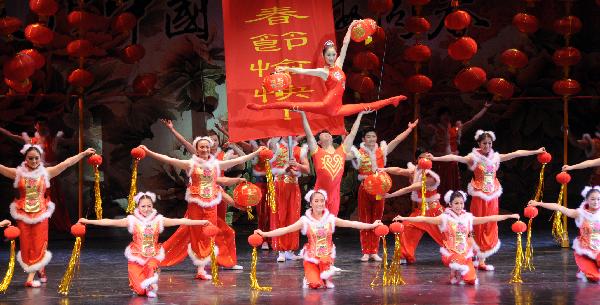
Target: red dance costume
(457, 251)
(413, 231)
(287, 196)
(446, 139)
(329, 169)
(223, 156)
(485, 189)
(319, 252)
(263, 210)
(31, 211)
(587, 244)
(203, 195)
(332, 102)
(144, 253)
(369, 208)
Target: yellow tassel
(395, 272)
(557, 225)
(65, 283)
(97, 196)
(383, 267)
(249, 212)
(368, 40)
(253, 279)
(11, 269)
(270, 197)
(528, 263)
(423, 190)
(516, 273)
(538, 191)
(133, 188)
(214, 268)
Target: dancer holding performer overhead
(203, 195)
(587, 244)
(318, 225)
(456, 224)
(335, 82)
(33, 207)
(144, 253)
(485, 190)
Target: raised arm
(171, 222)
(349, 139)
(122, 223)
(520, 153)
(398, 171)
(54, 171)
(8, 172)
(356, 224)
(281, 231)
(467, 125)
(180, 164)
(582, 165)
(453, 158)
(342, 56)
(241, 159)
(405, 190)
(310, 138)
(12, 136)
(493, 218)
(572, 213)
(401, 137)
(188, 146)
(437, 220)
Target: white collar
(141, 218)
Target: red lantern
(80, 48)
(418, 2)
(519, 227)
(247, 194)
(19, 86)
(567, 56)
(526, 23)
(566, 87)
(361, 83)
(530, 212)
(397, 227)
(365, 60)
(145, 83)
(418, 53)
(424, 164)
(418, 83)
(255, 240)
(38, 59)
(362, 31)
(378, 183)
(372, 24)
(469, 79)
(9, 25)
(78, 230)
(80, 78)
(457, 20)
(544, 157)
(43, 7)
(95, 160)
(514, 59)
(19, 67)
(417, 25)
(462, 49)
(39, 34)
(12, 232)
(277, 82)
(211, 231)
(380, 6)
(125, 22)
(563, 178)
(138, 153)
(568, 25)
(381, 230)
(133, 53)
(265, 154)
(81, 20)
(501, 88)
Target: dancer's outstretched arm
(281, 231)
(318, 72)
(582, 165)
(353, 131)
(180, 164)
(188, 146)
(521, 153)
(357, 224)
(8, 172)
(453, 158)
(467, 125)
(310, 138)
(229, 181)
(401, 137)
(398, 171)
(12, 136)
(241, 159)
(571, 213)
(54, 171)
(405, 190)
(493, 218)
(437, 220)
(171, 222)
(121, 223)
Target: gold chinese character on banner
(262, 66)
(276, 15)
(265, 43)
(295, 39)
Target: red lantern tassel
(423, 190)
(395, 272)
(270, 197)
(557, 225)
(133, 188)
(253, 278)
(10, 271)
(97, 195)
(516, 273)
(214, 268)
(72, 267)
(383, 267)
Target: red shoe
(203, 276)
(484, 267)
(42, 275)
(33, 284)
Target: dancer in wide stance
(144, 253)
(587, 244)
(335, 82)
(318, 225)
(457, 226)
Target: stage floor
(103, 279)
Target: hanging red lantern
(138, 153)
(514, 59)
(418, 83)
(255, 240)
(133, 53)
(457, 20)
(568, 25)
(81, 20)
(361, 83)
(43, 7)
(277, 82)
(469, 79)
(500, 88)
(19, 67)
(265, 154)
(125, 22)
(417, 24)
(526, 23)
(378, 184)
(418, 53)
(397, 227)
(424, 164)
(530, 212)
(247, 194)
(362, 31)
(80, 48)
(78, 230)
(563, 178)
(12, 232)
(95, 160)
(462, 49)
(9, 25)
(144, 83)
(19, 86)
(38, 58)
(381, 230)
(380, 7)
(80, 78)
(565, 87)
(39, 34)
(567, 56)
(366, 61)
(372, 24)
(211, 231)
(544, 158)
(519, 227)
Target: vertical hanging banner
(261, 35)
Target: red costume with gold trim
(587, 244)
(329, 169)
(457, 249)
(319, 251)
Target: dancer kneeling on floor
(318, 225)
(144, 253)
(456, 225)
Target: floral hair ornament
(26, 147)
(207, 139)
(139, 196)
(311, 192)
(480, 132)
(451, 192)
(586, 190)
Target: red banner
(260, 35)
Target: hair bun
(329, 43)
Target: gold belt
(287, 179)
